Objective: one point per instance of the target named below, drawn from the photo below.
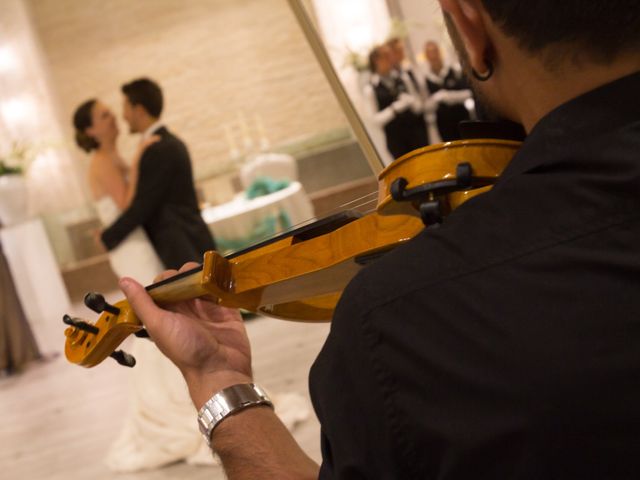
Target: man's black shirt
(506, 343)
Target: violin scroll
(89, 344)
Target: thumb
(142, 304)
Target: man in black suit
(448, 90)
(165, 202)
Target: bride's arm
(135, 170)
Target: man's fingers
(164, 275)
(188, 266)
(172, 273)
(147, 311)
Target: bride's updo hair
(81, 121)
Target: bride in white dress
(160, 427)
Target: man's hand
(438, 97)
(403, 102)
(208, 343)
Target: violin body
(300, 276)
(288, 279)
(437, 163)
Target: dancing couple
(152, 222)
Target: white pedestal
(38, 281)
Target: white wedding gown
(160, 427)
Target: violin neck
(185, 286)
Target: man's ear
(470, 24)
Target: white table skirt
(38, 281)
(236, 219)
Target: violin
(300, 275)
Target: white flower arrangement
(16, 161)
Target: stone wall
(213, 58)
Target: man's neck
(151, 127)
(146, 123)
(531, 91)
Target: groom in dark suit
(165, 201)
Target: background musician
(395, 104)
(448, 89)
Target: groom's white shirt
(151, 130)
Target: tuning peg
(80, 324)
(142, 333)
(123, 358)
(98, 304)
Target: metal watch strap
(229, 401)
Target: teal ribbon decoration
(266, 228)
(264, 186)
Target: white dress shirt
(151, 130)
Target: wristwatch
(227, 402)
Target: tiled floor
(57, 419)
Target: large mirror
(396, 67)
(279, 83)
(240, 81)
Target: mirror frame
(315, 42)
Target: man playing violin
(503, 344)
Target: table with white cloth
(235, 222)
(37, 280)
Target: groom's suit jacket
(165, 205)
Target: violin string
(325, 215)
(358, 199)
(289, 230)
(334, 210)
(373, 197)
(340, 208)
(356, 207)
(330, 212)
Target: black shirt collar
(593, 114)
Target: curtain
(17, 343)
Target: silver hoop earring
(483, 77)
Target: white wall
(28, 114)
(425, 22)
(29, 117)
(355, 26)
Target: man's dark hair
(598, 30)
(144, 92)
